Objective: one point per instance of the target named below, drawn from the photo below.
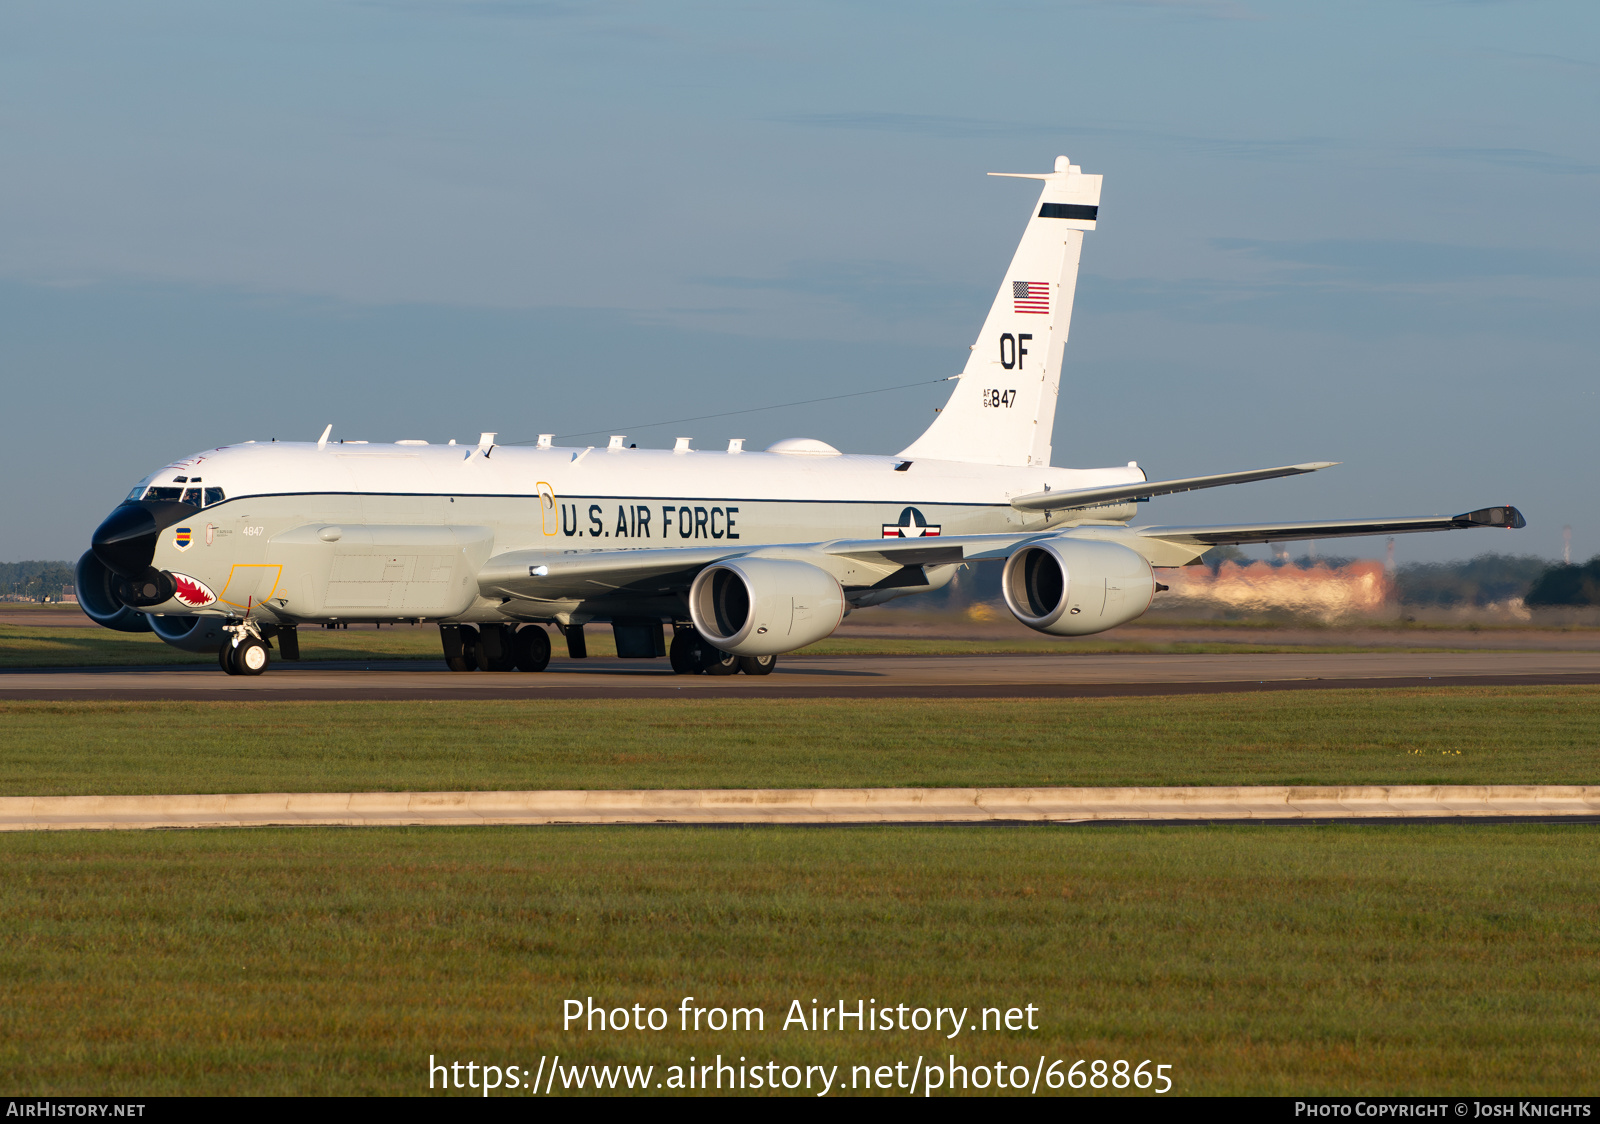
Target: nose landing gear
(245, 652)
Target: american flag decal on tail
(1030, 296)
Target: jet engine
(192, 634)
(99, 598)
(765, 606)
(1072, 587)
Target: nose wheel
(249, 657)
(245, 652)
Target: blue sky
(1354, 232)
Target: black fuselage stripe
(1068, 211)
(232, 500)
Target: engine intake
(100, 600)
(1073, 587)
(765, 606)
(192, 634)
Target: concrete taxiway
(981, 676)
(1266, 803)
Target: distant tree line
(38, 580)
(1568, 585)
(1477, 581)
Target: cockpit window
(194, 497)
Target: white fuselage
(390, 532)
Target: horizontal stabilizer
(1088, 497)
(1508, 517)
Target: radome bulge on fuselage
(746, 554)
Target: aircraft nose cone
(126, 541)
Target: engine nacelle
(100, 601)
(1072, 587)
(765, 606)
(192, 634)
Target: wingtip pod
(1507, 516)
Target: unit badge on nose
(191, 591)
(912, 525)
(183, 538)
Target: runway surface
(1266, 803)
(982, 676)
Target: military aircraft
(747, 555)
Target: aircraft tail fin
(1004, 408)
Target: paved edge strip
(833, 691)
(1277, 803)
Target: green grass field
(1458, 735)
(24, 646)
(1437, 959)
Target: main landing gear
(495, 647)
(505, 647)
(691, 655)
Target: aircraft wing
(549, 575)
(542, 575)
(1087, 497)
(1508, 517)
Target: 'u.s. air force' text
(642, 521)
